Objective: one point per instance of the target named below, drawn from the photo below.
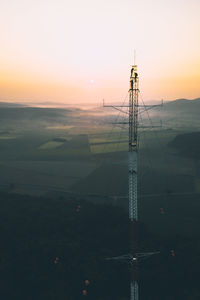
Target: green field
(50, 145)
(108, 147)
(69, 153)
(8, 137)
(69, 158)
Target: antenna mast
(134, 255)
(132, 169)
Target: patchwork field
(82, 154)
(51, 244)
(51, 145)
(108, 147)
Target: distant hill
(182, 113)
(179, 112)
(183, 105)
(11, 104)
(11, 114)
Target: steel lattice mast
(134, 256)
(132, 168)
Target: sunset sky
(75, 51)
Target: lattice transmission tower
(132, 178)
(134, 255)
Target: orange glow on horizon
(82, 52)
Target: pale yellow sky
(81, 51)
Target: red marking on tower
(56, 260)
(162, 211)
(87, 282)
(84, 292)
(172, 253)
(78, 208)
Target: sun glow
(71, 42)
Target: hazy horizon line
(53, 104)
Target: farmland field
(51, 145)
(8, 137)
(75, 153)
(76, 170)
(108, 147)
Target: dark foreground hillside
(49, 247)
